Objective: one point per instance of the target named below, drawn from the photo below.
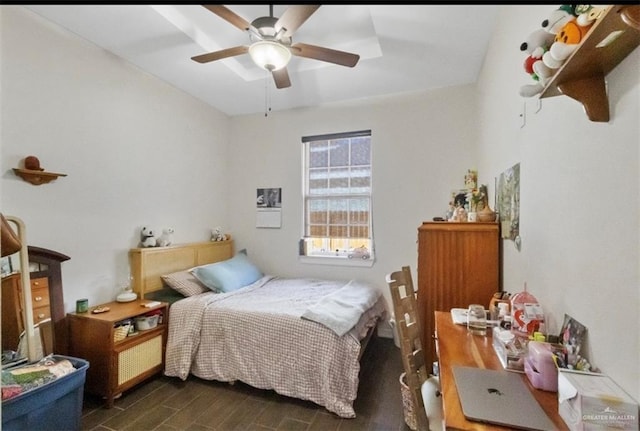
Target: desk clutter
(587, 399)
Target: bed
(302, 338)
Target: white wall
(579, 187)
(136, 151)
(580, 190)
(422, 146)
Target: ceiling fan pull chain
(267, 99)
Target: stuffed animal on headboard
(217, 235)
(147, 237)
(164, 239)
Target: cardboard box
(588, 401)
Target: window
(337, 196)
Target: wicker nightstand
(116, 364)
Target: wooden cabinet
(13, 307)
(458, 264)
(117, 364)
(45, 266)
(12, 314)
(40, 299)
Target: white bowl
(146, 322)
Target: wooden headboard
(148, 264)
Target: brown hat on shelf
(32, 163)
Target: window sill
(337, 261)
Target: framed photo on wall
(508, 205)
(269, 207)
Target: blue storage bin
(56, 406)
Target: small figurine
(460, 214)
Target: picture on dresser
(459, 198)
(9, 264)
(5, 266)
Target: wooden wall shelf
(37, 177)
(582, 76)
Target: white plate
(127, 297)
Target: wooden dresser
(12, 313)
(47, 299)
(458, 265)
(13, 308)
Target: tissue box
(539, 366)
(589, 401)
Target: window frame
(342, 256)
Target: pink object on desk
(539, 366)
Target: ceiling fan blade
(229, 16)
(294, 17)
(325, 54)
(219, 55)
(281, 78)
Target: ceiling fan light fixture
(269, 55)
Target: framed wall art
(269, 207)
(508, 202)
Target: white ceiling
(402, 49)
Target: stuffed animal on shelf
(568, 38)
(558, 18)
(147, 237)
(164, 239)
(217, 235)
(589, 14)
(536, 45)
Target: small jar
(82, 305)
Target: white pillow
(185, 283)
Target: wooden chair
(405, 308)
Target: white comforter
(256, 335)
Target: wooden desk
(456, 347)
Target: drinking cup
(477, 319)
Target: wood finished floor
(168, 404)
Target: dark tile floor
(163, 403)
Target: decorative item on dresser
(458, 265)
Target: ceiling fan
(271, 46)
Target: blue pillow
(228, 275)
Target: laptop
(499, 397)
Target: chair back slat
(405, 309)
